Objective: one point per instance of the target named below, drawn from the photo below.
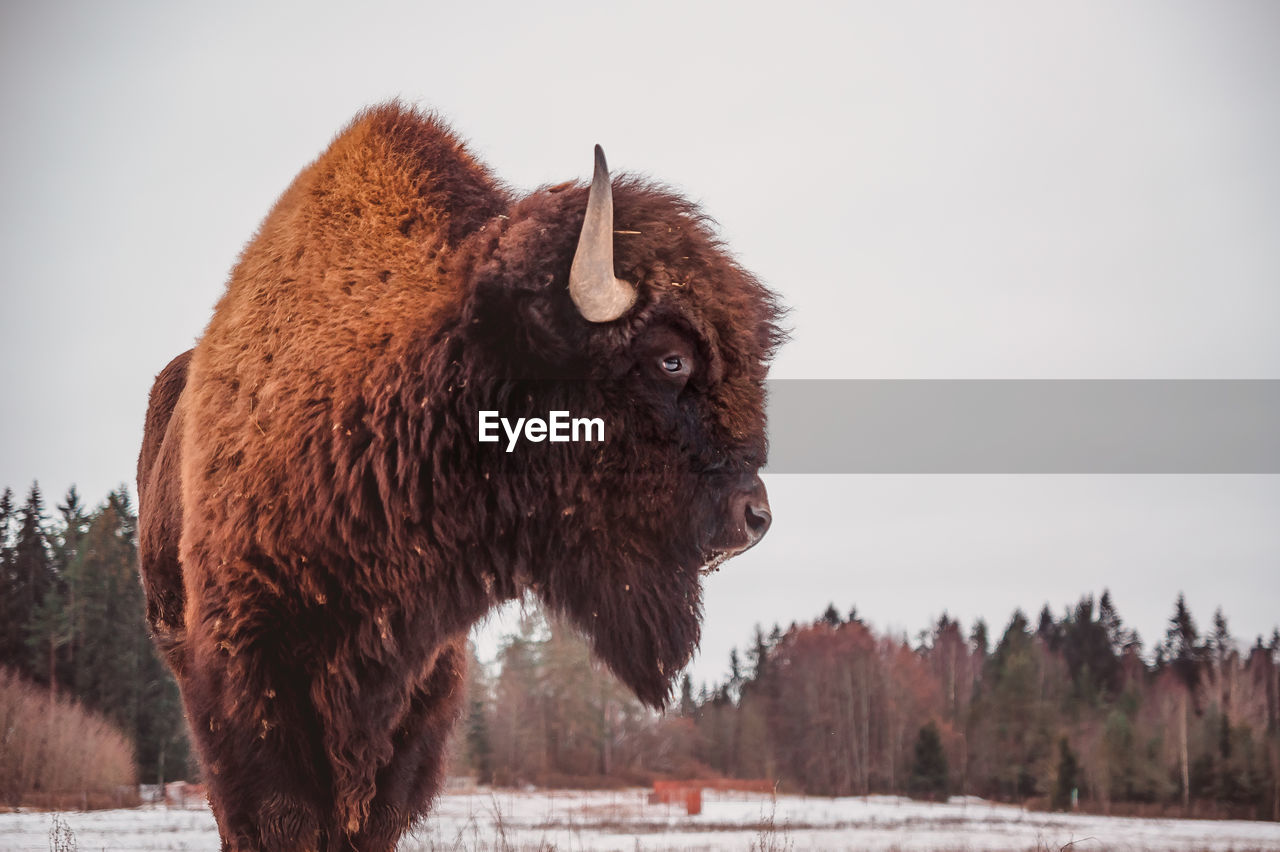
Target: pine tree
(758, 655)
(11, 622)
(978, 642)
(775, 635)
(32, 578)
(1047, 630)
(1182, 650)
(48, 633)
(74, 523)
(51, 630)
(1087, 648)
(929, 773)
(1220, 643)
(687, 705)
(1182, 653)
(733, 688)
(1064, 788)
(1013, 707)
(110, 675)
(1109, 618)
(6, 522)
(479, 745)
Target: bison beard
(319, 525)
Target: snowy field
(624, 821)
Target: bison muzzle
(320, 526)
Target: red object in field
(689, 792)
(667, 792)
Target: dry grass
(769, 838)
(61, 837)
(53, 749)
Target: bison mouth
(745, 522)
(715, 559)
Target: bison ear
(597, 293)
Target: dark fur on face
(320, 526)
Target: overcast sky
(939, 190)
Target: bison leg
(407, 784)
(246, 696)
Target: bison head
(617, 301)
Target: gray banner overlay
(1041, 426)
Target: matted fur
(320, 526)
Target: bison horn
(599, 296)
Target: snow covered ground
(574, 820)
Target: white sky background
(993, 190)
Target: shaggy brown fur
(320, 525)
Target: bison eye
(666, 357)
(676, 367)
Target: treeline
(1069, 708)
(72, 621)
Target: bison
(320, 523)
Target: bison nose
(758, 519)
(751, 507)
